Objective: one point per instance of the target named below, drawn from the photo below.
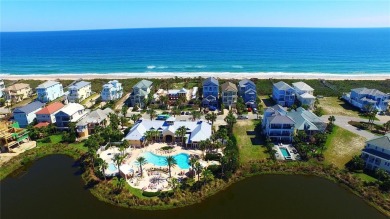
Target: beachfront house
(210, 92)
(229, 94)
(363, 97)
(87, 125)
(283, 94)
(277, 126)
(47, 114)
(247, 90)
(196, 131)
(49, 91)
(25, 115)
(140, 93)
(376, 153)
(306, 121)
(2, 87)
(304, 93)
(175, 94)
(71, 112)
(79, 91)
(17, 92)
(112, 91)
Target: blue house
(363, 97)
(26, 114)
(283, 94)
(247, 90)
(49, 91)
(210, 92)
(112, 91)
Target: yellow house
(79, 91)
(17, 92)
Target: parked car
(242, 117)
(187, 113)
(255, 110)
(182, 113)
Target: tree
(114, 120)
(124, 110)
(148, 135)
(119, 183)
(152, 114)
(171, 162)
(164, 101)
(103, 167)
(320, 140)
(207, 176)
(386, 126)
(203, 144)
(118, 158)
(371, 117)
(175, 111)
(212, 117)
(198, 169)
(141, 161)
(123, 121)
(135, 117)
(181, 100)
(195, 115)
(230, 120)
(355, 164)
(174, 183)
(181, 132)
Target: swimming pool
(285, 152)
(157, 160)
(112, 167)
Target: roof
(302, 86)
(31, 107)
(306, 120)
(229, 86)
(371, 92)
(95, 116)
(79, 84)
(47, 84)
(210, 80)
(71, 108)
(381, 141)
(17, 86)
(244, 82)
(307, 96)
(51, 108)
(280, 119)
(143, 83)
(176, 91)
(281, 85)
(41, 124)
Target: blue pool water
(285, 152)
(112, 167)
(157, 160)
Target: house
(196, 131)
(26, 114)
(79, 91)
(47, 114)
(283, 94)
(210, 92)
(376, 153)
(71, 112)
(364, 97)
(306, 121)
(11, 135)
(247, 90)
(277, 126)
(112, 91)
(17, 92)
(2, 87)
(49, 91)
(176, 94)
(140, 93)
(87, 125)
(304, 93)
(229, 94)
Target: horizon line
(184, 27)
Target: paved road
(342, 121)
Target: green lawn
(335, 106)
(365, 177)
(89, 98)
(250, 145)
(58, 138)
(341, 146)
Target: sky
(48, 15)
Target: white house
(376, 154)
(2, 87)
(304, 93)
(71, 112)
(49, 91)
(112, 91)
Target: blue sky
(46, 15)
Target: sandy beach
(201, 74)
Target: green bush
(212, 156)
(46, 140)
(151, 194)
(165, 148)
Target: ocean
(197, 50)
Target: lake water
(51, 188)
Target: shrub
(212, 156)
(46, 140)
(150, 194)
(165, 148)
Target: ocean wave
(237, 66)
(151, 67)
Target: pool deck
(289, 147)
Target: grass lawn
(250, 145)
(365, 177)
(89, 98)
(24, 102)
(80, 146)
(341, 146)
(335, 106)
(54, 140)
(266, 101)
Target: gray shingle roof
(95, 116)
(244, 82)
(281, 85)
(229, 86)
(48, 84)
(280, 119)
(373, 92)
(210, 80)
(306, 120)
(302, 86)
(79, 84)
(143, 83)
(381, 141)
(31, 107)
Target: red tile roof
(51, 108)
(41, 124)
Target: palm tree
(124, 110)
(141, 161)
(181, 132)
(230, 120)
(223, 161)
(193, 161)
(203, 145)
(331, 119)
(181, 100)
(148, 136)
(195, 115)
(152, 113)
(92, 155)
(118, 158)
(175, 111)
(135, 117)
(207, 176)
(198, 169)
(174, 183)
(164, 100)
(119, 183)
(386, 126)
(103, 167)
(171, 162)
(123, 121)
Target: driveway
(342, 121)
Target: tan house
(87, 125)
(17, 92)
(229, 94)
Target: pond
(51, 188)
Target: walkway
(342, 121)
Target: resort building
(247, 90)
(229, 94)
(47, 114)
(112, 91)
(140, 93)
(49, 91)
(26, 114)
(11, 135)
(87, 125)
(79, 91)
(196, 131)
(304, 93)
(210, 92)
(2, 87)
(17, 92)
(363, 97)
(376, 154)
(71, 112)
(283, 94)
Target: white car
(242, 117)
